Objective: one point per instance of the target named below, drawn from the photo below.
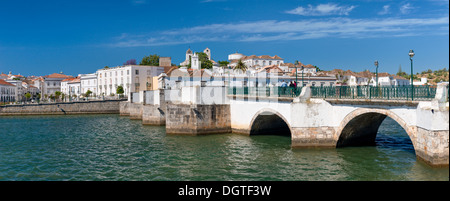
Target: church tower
(207, 51)
(188, 54)
(195, 63)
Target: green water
(110, 147)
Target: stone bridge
(313, 122)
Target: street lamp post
(376, 64)
(303, 69)
(411, 54)
(296, 76)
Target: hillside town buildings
(133, 78)
(261, 71)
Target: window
(270, 62)
(128, 72)
(137, 72)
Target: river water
(110, 147)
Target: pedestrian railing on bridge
(373, 92)
(342, 92)
(265, 91)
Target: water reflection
(109, 147)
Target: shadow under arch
(360, 127)
(269, 122)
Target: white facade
(74, 87)
(52, 83)
(89, 82)
(7, 92)
(65, 85)
(389, 81)
(423, 81)
(195, 64)
(235, 56)
(133, 78)
(19, 90)
(255, 61)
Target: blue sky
(40, 37)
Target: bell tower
(207, 51)
(195, 64)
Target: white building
(74, 87)
(7, 92)
(133, 78)
(65, 86)
(19, 90)
(89, 83)
(52, 83)
(422, 81)
(254, 61)
(385, 79)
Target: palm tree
(241, 66)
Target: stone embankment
(64, 108)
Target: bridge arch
(360, 127)
(269, 122)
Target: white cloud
(406, 8)
(385, 10)
(322, 10)
(273, 30)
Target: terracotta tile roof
(57, 75)
(399, 77)
(270, 68)
(366, 74)
(384, 75)
(75, 80)
(309, 66)
(260, 57)
(3, 82)
(68, 79)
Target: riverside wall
(64, 108)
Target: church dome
(235, 56)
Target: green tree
(241, 66)
(88, 93)
(318, 69)
(150, 60)
(223, 63)
(57, 94)
(27, 96)
(120, 90)
(203, 59)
